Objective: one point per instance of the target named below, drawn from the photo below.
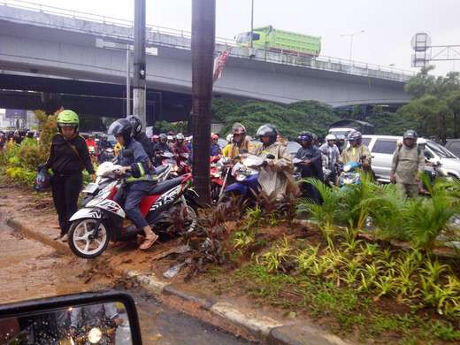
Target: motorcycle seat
(160, 169)
(165, 185)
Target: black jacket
(146, 145)
(63, 159)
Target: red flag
(219, 63)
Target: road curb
(60, 247)
(262, 327)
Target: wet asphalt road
(29, 269)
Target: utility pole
(139, 97)
(252, 22)
(203, 41)
(128, 81)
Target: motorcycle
(170, 208)
(350, 174)
(219, 172)
(106, 155)
(246, 175)
(94, 335)
(106, 178)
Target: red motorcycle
(169, 208)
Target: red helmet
(214, 136)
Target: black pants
(65, 196)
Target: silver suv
(382, 148)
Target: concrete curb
(262, 327)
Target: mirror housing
(17, 320)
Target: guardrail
(182, 39)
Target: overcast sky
(388, 24)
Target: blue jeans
(133, 194)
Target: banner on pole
(219, 63)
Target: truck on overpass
(280, 41)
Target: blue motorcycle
(246, 175)
(350, 174)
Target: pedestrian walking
(408, 164)
(68, 157)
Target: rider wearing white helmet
(331, 151)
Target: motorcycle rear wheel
(82, 241)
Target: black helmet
(410, 134)
(306, 136)
(355, 135)
(136, 123)
(267, 130)
(121, 127)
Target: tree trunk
(203, 37)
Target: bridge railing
(182, 39)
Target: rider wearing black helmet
(133, 158)
(141, 137)
(310, 165)
(275, 178)
(407, 165)
(357, 151)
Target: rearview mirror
(88, 318)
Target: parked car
(453, 145)
(382, 148)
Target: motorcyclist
(215, 148)
(163, 144)
(357, 151)
(240, 143)
(179, 146)
(311, 165)
(69, 155)
(103, 145)
(340, 142)
(331, 151)
(407, 165)
(275, 178)
(141, 137)
(134, 159)
(29, 139)
(91, 143)
(17, 137)
(2, 141)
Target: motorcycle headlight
(94, 335)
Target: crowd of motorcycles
(171, 207)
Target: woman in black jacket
(68, 157)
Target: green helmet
(68, 118)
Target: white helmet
(421, 141)
(331, 137)
(169, 137)
(180, 136)
(229, 137)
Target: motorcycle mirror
(270, 156)
(72, 317)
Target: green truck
(275, 40)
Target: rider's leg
(133, 199)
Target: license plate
(91, 188)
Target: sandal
(148, 242)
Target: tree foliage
(435, 104)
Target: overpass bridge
(77, 56)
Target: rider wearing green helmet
(68, 157)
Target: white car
(382, 148)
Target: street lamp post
(128, 81)
(352, 35)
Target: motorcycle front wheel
(85, 241)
